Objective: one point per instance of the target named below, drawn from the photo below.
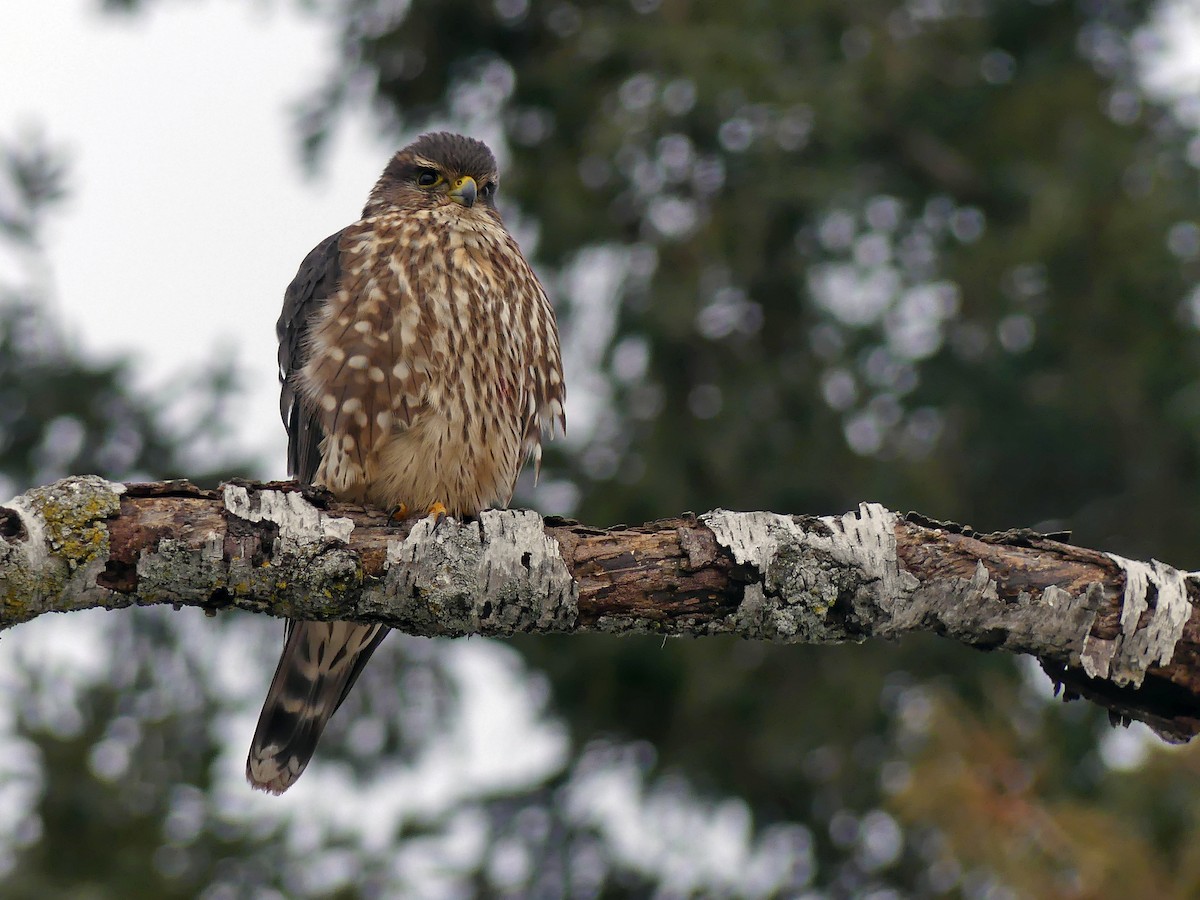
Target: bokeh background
(942, 254)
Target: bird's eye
(488, 190)
(428, 178)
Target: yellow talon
(437, 511)
(402, 511)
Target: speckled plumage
(420, 365)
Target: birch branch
(1123, 633)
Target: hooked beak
(464, 191)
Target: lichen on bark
(63, 541)
(1099, 624)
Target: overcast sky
(189, 210)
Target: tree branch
(1123, 633)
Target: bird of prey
(420, 365)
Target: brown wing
(373, 345)
(315, 282)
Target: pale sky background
(189, 211)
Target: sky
(189, 209)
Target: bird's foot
(437, 511)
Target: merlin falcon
(420, 365)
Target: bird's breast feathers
(435, 364)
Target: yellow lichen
(74, 511)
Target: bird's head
(441, 169)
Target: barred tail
(319, 664)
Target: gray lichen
(177, 572)
(310, 568)
(500, 572)
(63, 547)
(809, 566)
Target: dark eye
(427, 178)
(488, 190)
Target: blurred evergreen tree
(894, 251)
(937, 255)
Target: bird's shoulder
(315, 280)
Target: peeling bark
(1123, 633)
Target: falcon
(420, 366)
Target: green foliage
(127, 778)
(936, 256)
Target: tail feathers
(319, 664)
